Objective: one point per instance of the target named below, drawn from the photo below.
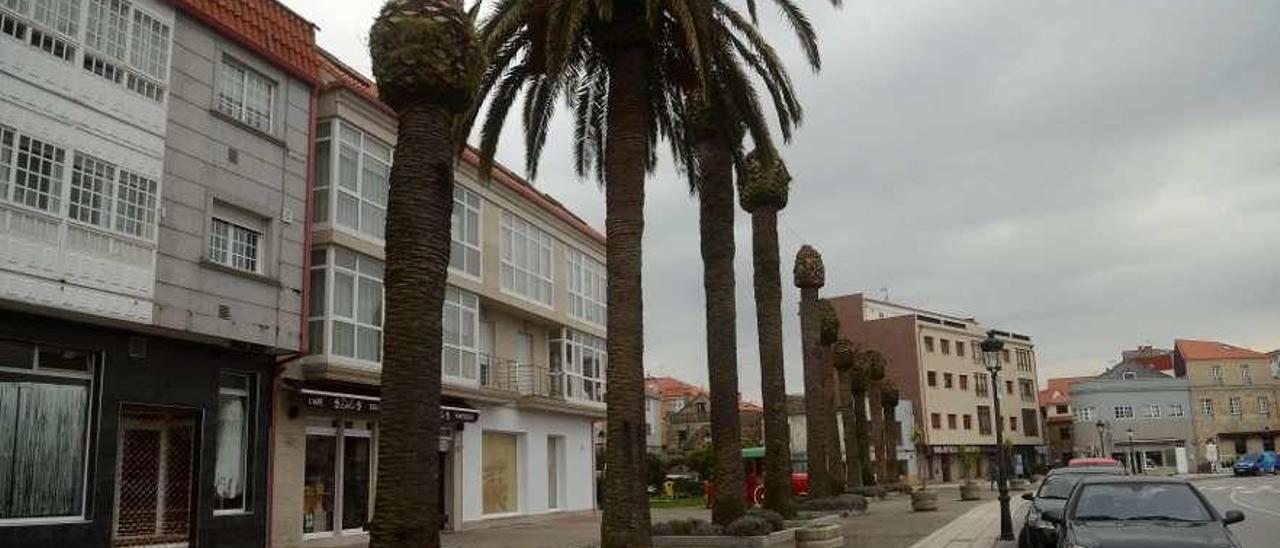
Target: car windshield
(1057, 487)
(1140, 501)
(1249, 458)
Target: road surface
(1258, 497)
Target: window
(45, 408)
(499, 470)
(1030, 423)
(245, 95)
(1176, 411)
(526, 260)
(968, 422)
(1087, 414)
(234, 245)
(354, 309)
(964, 382)
(1064, 434)
(1024, 360)
(933, 378)
(1234, 405)
(1005, 354)
(1008, 387)
(1246, 375)
(1013, 424)
(935, 419)
(33, 168)
(107, 28)
(1215, 373)
(960, 348)
(1264, 405)
(1129, 375)
(1060, 409)
(1206, 407)
(90, 198)
(928, 344)
(1153, 411)
(465, 231)
(984, 420)
(1027, 390)
(461, 323)
(1123, 412)
(946, 346)
(362, 167)
(61, 16)
(580, 360)
(337, 474)
(951, 421)
(982, 385)
(149, 51)
(947, 380)
(587, 299)
(231, 464)
(135, 205)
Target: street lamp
(991, 348)
(1133, 468)
(1102, 440)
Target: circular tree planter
(924, 501)
(824, 535)
(970, 491)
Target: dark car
(1052, 493)
(1266, 462)
(1135, 512)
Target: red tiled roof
(1211, 350)
(264, 26)
(1163, 362)
(1059, 390)
(336, 74)
(668, 387)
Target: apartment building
(652, 421)
(1133, 398)
(524, 353)
(1058, 415)
(153, 178)
(1233, 391)
(672, 395)
(935, 361)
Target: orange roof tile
(1059, 390)
(1212, 350)
(668, 387)
(265, 26)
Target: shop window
(337, 478)
(231, 465)
(44, 425)
(499, 472)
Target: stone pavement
(978, 528)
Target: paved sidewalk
(979, 528)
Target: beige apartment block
(1233, 394)
(936, 362)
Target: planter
(785, 538)
(924, 501)
(808, 519)
(825, 535)
(970, 491)
(1018, 484)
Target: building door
(946, 468)
(154, 473)
(337, 479)
(553, 472)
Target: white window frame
(1206, 406)
(370, 153)
(1235, 406)
(467, 203)
(532, 238)
(466, 306)
(237, 106)
(1153, 411)
(1264, 406)
(1122, 412)
(588, 288)
(578, 385)
(1176, 411)
(222, 247)
(1215, 373)
(1086, 414)
(1246, 374)
(364, 269)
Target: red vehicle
(753, 472)
(1093, 461)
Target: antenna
(884, 293)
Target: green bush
(840, 503)
(706, 529)
(686, 527)
(775, 519)
(749, 526)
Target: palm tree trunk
(773, 383)
(420, 203)
(716, 210)
(835, 456)
(890, 437)
(852, 437)
(625, 523)
(866, 476)
(815, 408)
(877, 428)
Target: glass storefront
(337, 476)
(500, 473)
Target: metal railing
(527, 379)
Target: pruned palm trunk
(834, 455)
(809, 277)
(716, 208)
(852, 437)
(427, 64)
(890, 437)
(625, 523)
(860, 423)
(773, 384)
(877, 429)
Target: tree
(810, 275)
(868, 363)
(428, 65)
(889, 398)
(875, 374)
(843, 359)
(829, 331)
(625, 69)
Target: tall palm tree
(889, 397)
(810, 275)
(624, 67)
(763, 192)
(428, 64)
(829, 331)
(859, 458)
(843, 358)
(875, 364)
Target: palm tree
(889, 398)
(829, 331)
(625, 68)
(875, 365)
(843, 359)
(763, 193)
(856, 434)
(428, 65)
(810, 275)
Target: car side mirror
(1054, 516)
(1028, 496)
(1232, 516)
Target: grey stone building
(1130, 397)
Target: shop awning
(344, 398)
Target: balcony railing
(526, 379)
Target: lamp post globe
(991, 350)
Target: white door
(553, 472)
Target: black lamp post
(991, 348)
(1133, 467)
(1102, 441)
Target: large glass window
(234, 245)
(587, 300)
(232, 459)
(245, 95)
(336, 479)
(499, 489)
(465, 232)
(351, 184)
(355, 307)
(526, 260)
(44, 417)
(36, 171)
(461, 323)
(580, 359)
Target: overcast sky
(1097, 175)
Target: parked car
(1052, 493)
(1266, 462)
(1140, 512)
